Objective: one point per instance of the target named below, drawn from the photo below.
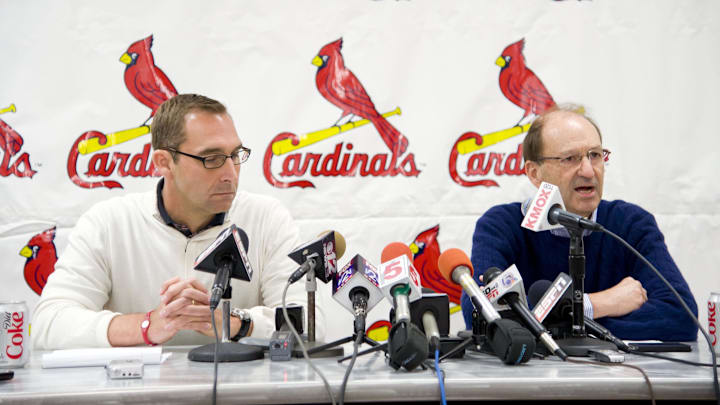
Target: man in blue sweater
(564, 148)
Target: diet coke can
(713, 308)
(14, 334)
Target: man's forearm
(124, 330)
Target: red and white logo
(285, 167)
(15, 338)
(536, 217)
(149, 85)
(470, 163)
(712, 323)
(13, 162)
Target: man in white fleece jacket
(126, 277)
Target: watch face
(145, 324)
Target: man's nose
(586, 167)
(230, 170)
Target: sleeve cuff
(103, 326)
(263, 319)
(587, 306)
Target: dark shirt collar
(218, 219)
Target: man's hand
(185, 304)
(625, 297)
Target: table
(477, 376)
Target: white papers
(100, 357)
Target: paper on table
(100, 357)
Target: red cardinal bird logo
(340, 87)
(426, 251)
(519, 84)
(10, 140)
(41, 257)
(145, 81)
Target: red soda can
(713, 309)
(14, 334)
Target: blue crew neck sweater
(500, 241)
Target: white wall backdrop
(646, 70)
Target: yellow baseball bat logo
(286, 145)
(93, 144)
(469, 145)
(10, 108)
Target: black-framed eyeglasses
(595, 156)
(214, 161)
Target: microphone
(320, 256)
(355, 287)
(455, 266)
(545, 298)
(432, 314)
(547, 211)
(512, 343)
(400, 283)
(227, 258)
(553, 302)
(505, 287)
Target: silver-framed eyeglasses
(595, 156)
(217, 160)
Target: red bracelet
(144, 326)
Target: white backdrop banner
(428, 139)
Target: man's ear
(162, 159)
(534, 172)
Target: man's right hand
(621, 299)
(184, 304)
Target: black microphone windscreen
(536, 291)
(490, 275)
(244, 239)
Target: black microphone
(546, 211)
(432, 314)
(355, 287)
(400, 283)
(320, 256)
(552, 303)
(557, 215)
(508, 286)
(227, 258)
(399, 280)
(511, 342)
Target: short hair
(532, 145)
(168, 125)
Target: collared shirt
(563, 232)
(215, 221)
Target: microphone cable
(302, 345)
(716, 385)
(597, 363)
(356, 345)
(660, 356)
(440, 376)
(215, 357)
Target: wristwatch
(245, 322)
(144, 326)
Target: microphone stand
(358, 330)
(228, 351)
(476, 337)
(579, 343)
(315, 348)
